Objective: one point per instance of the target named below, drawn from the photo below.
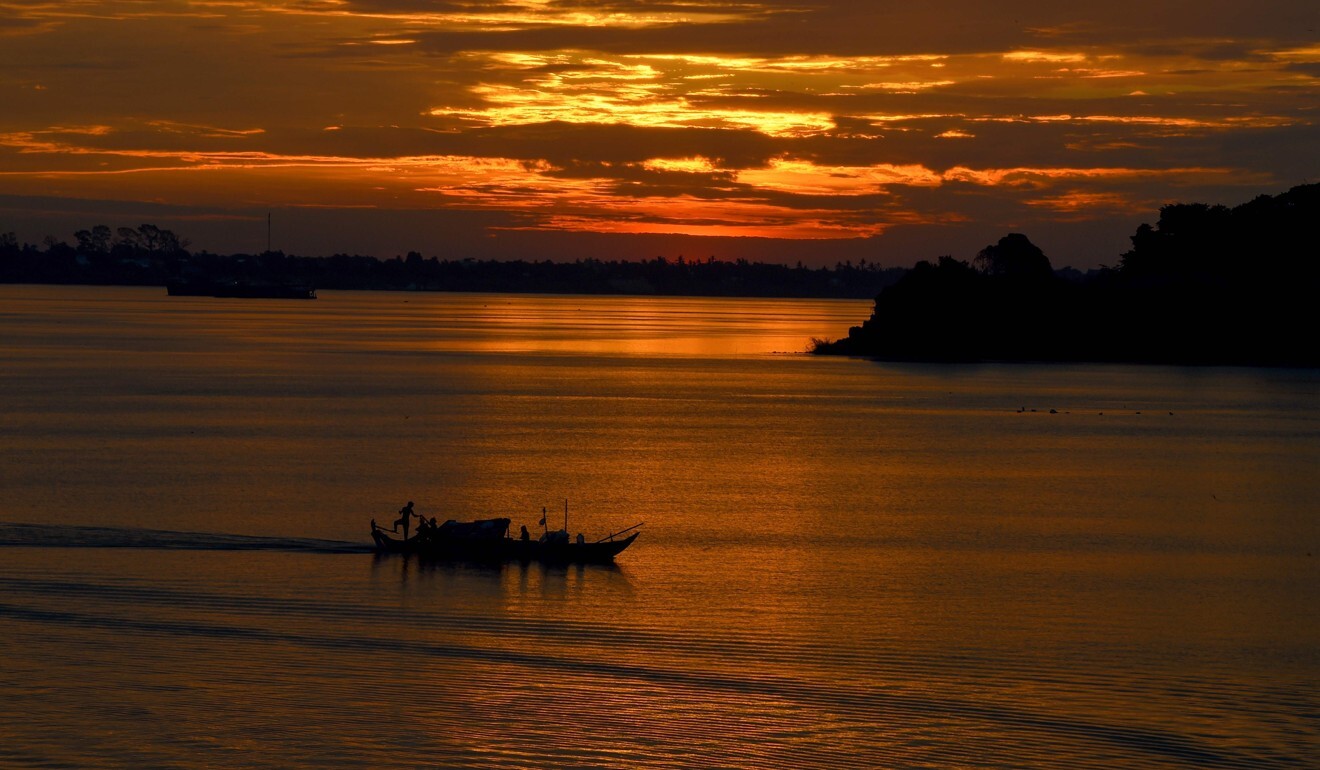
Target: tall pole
(268, 231)
(565, 515)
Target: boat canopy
(555, 537)
(481, 529)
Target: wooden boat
(488, 540)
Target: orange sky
(782, 131)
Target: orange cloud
(807, 178)
(694, 117)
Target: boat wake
(45, 536)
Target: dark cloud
(1311, 68)
(10, 25)
(565, 143)
(947, 27)
(648, 177)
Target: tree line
(1206, 284)
(152, 256)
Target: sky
(817, 131)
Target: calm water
(843, 563)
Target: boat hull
(503, 549)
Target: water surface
(843, 563)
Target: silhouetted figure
(374, 525)
(523, 534)
(581, 539)
(405, 516)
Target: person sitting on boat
(405, 517)
(581, 539)
(523, 535)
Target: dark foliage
(1205, 285)
(1014, 256)
(151, 256)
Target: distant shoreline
(101, 260)
(1206, 285)
(532, 292)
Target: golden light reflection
(1040, 177)
(1226, 123)
(1085, 203)
(647, 105)
(1048, 57)
(806, 178)
(681, 165)
(506, 15)
(909, 86)
(798, 64)
(592, 202)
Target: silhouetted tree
(1014, 256)
(1206, 284)
(94, 241)
(150, 240)
(128, 240)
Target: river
(843, 563)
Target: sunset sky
(773, 130)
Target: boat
(239, 289)
(488, 540)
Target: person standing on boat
(405, 516)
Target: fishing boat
(489, 540)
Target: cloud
(811, 119)
(1310, 68)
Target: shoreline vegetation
(1207, 284)
(152, 256)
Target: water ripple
(857, 703)
(60, 536)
